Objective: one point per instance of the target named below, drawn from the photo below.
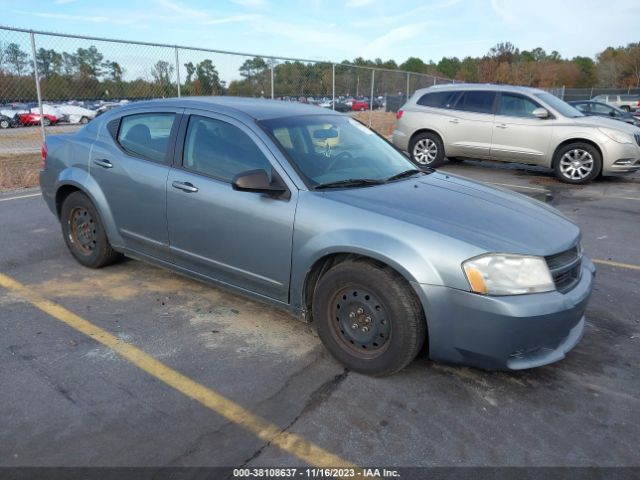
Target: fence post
(178, 71)
(591, 94)
(272, 86)
(373, 77)
(408, 81)
(37, 79)
(435, 80)
(562, 98)
(333, 86)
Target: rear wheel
(84, 233)
(426, 149)
(577, 163)
(626, 108)
(46, 122)
(4, 124)
(84, 120)
(368, 317)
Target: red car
(360, 105)
(34, 119)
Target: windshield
(332, 149)
(563, 108)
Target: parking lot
(227, 381)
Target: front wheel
(368, 317)
(46, 122)
(4, 124)
(84, 120)
(84, 232)
(577, 163)
(427, 150)
(626, 108)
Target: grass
(19, 170)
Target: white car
(48, 110)
(76, 114)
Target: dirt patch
(382, 122)
(19, 170)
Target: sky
(337, 30)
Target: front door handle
(454, 120)
(184, 186)
(502, 125)
(101, 162)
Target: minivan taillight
(399, 114)
(43, 163)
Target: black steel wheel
(84, 233)
(368, 317)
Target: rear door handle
(184, 186)
(502, 125)
(454, 120)
(101, 162)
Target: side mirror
(258, 181)
(540, 113)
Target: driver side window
(220, 150)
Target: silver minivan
(514, 124)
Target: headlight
(505, 274)
(616, 136)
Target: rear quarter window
(146, 135)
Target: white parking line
(21, 196)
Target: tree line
(87, 74)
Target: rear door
(470, 125)
(239, 238)
(518, 135)
(131, 162)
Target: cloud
(64, 16)
(502, 12)
(231, 19)
(381, 46)
(251, 3)
(358, 3)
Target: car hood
(491, 219)
(604, 122)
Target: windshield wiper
(350, 182)
(406, 173)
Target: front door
(518, 135)
(240, 238)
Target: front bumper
(507, 332)
(628, 154)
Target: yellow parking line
(611, 263)
(291, 443)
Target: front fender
(82, 180)
(390, 250)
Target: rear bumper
(400, 140)
(505, 333)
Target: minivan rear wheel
(84, 232)
(368, 317)
(426, 149)
(577, 163)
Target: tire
(577, 163)
(84, 233)
(84, 120)
(46, 122)
(4, 124)
(455, 160)
(626, 108)
(358, 295)
(426, 149)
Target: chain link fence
(575, 94)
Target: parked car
(628, 103)
(342, 107)
(514, 124)
(28, 119)
(360, 105)
(8, 122)
(47, 109)
(600, 109)
(382, 257)
(76, 114)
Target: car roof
(257, 108)
(481, 86)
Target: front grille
(565, 268)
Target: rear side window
(220, 150)
(476, 101)
(146, 135)
(438, 99)
(515, 105)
